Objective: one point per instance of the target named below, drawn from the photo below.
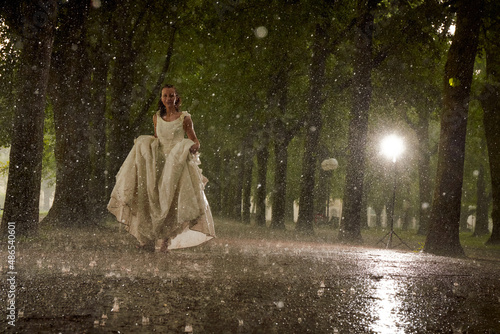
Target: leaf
(454, 82)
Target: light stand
(392, 146)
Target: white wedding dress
(159, 190)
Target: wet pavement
(97, 282)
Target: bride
(159, 192)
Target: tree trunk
(424, 171)
(443, 236)
(322, 184)
(350, 227)
(70, 96)
(279, 191)
(282, 138)
(214, 189)
(238, 190)
(465, 212)
(364, 207)
(407, 215)
(482, 206)
(378, 214)
(313, 129)
(100, 55)
(247, 180)
(261, 193)
(98, 190)
(226, 185)
(490, 101)
(25, 168)
(120, 138)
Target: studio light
(392, 147)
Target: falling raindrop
(279, 304)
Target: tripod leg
(385, 236)
(404, 243)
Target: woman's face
(168, 97)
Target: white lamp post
(392, 146)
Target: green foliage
(4, 168)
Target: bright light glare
(392, 147)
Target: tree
(490, 102)
(350, 227)
(482, 206)
(443, 236)
(34, 21)
(126, 52)
(247, 166)
(70, 97)
(313, 125)
(262, 153)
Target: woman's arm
(188, 127)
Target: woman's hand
(194, 148)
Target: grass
(474, 247)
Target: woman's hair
(161, 106)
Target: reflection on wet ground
(385, 307)
(99, 283)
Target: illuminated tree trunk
(25, 167)
(443, 236)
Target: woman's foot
(147, 247)
(162, 246)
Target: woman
(159, 191)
